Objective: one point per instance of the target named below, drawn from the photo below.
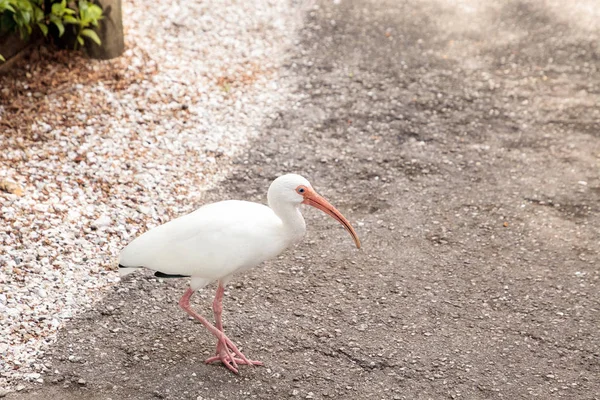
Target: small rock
(41, 207)
(144, 210)
(82, 382)
(11, 187)
(104, 220)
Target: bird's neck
(292, 219)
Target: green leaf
(7, 7)
(70, 20)
(83, 19)
(92, 35)
(39, 14)
(26, 17)
(68, 11)
(83, 6)
(80, 40)
(95, 12)
(43, 28)
(23, 5)
(2, 58)
(57, 9)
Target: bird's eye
(301, 190)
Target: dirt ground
(462, 139)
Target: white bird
(224, 238)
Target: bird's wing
(212, 242)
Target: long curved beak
(312, 198)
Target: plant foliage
(25, 16)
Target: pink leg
(224, 341)
(218, 306)
(221, 353)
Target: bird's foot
(230, 362)
(224, 351)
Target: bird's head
(295, 189)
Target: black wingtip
(159, 274)
(128, 266)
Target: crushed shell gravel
(130, 159)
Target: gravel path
(100, 151)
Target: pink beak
(312, 198)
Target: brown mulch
(44, 73)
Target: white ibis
(221, 239)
